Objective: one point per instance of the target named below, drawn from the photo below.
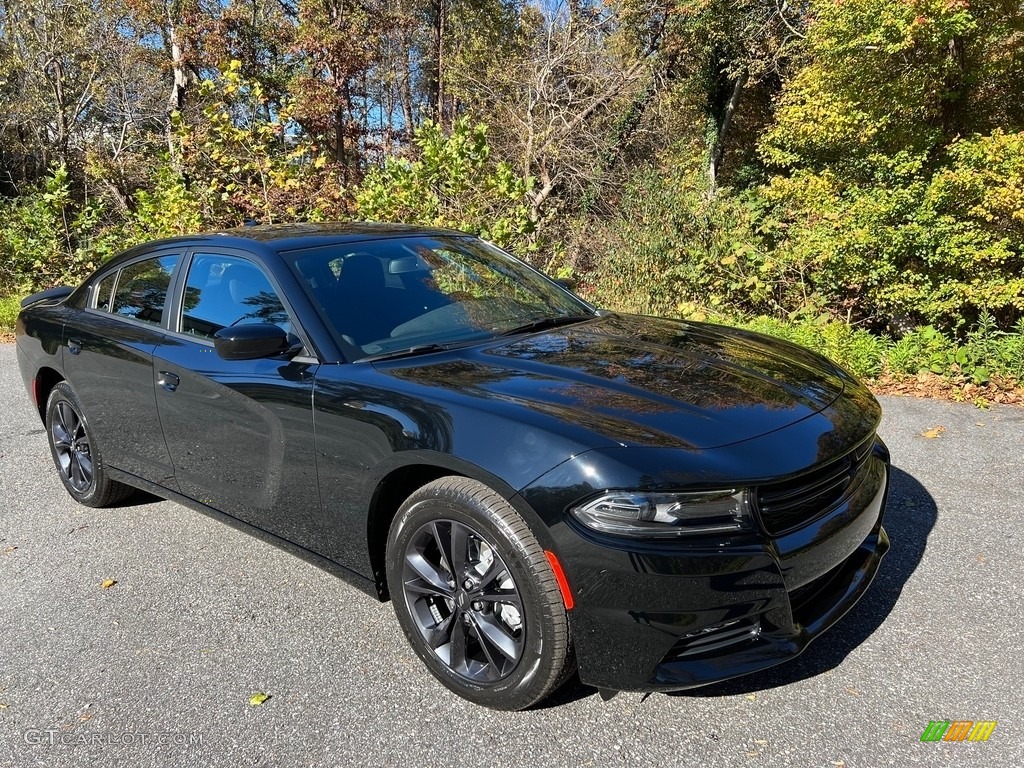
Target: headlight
(665, 515)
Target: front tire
(476, 596)
(75, 453)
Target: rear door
(239, 432)
(108, 361)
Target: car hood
(643, 381)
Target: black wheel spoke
(76, 475)
(423, 587)
(443, 541)
(62, 419)
(491, 573)
(460, 549)
(431, 575)
(442, 633)
(507, 596)
(457, 648)
(85, 466)
(494, 635)
(494, 664)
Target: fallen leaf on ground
(8, 550)
(933, 432)
(108, 583)
(258, 698)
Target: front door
(240, 432)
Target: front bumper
(651, 618)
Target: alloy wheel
(464, 601)
(71, 444)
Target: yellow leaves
(107, 583)
(258, 699)
(934, 432)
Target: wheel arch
(400, 482)
(45, 380)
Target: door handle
(168, 381)
(74, 346)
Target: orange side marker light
(563, 584)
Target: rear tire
(75, 453)
(476, 596)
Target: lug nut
(467, 584)
(477, 605)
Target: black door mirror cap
(251, 341)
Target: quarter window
(105, 291)
(222, 291)
(142, 289)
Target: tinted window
(142, 289)
(105, 291)
(222, 291)
(387, 295)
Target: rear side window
(142, 289)
(222, 291)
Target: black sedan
(539, 486)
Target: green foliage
(47, 239)
(453, 182)
(243, 164)
(10, 306)
(859, 351)
(923, 349)
(900, 176)
(943, 248)
(669, 247)
(169, 209)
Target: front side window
(222, 291)
(142, 289)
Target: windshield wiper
(543, 323)
(418, 349)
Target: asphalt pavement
(158, 669)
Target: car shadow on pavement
(137, 498)
(910, 516)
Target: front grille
(789, 504)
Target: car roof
(286, 237)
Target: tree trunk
(176, 100)
(722, 123)
(433, 69)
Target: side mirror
(250, 342)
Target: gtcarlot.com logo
(958, 730)
(51, 737)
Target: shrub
(9, 308)
(47, 239)
(452, 182)
(670, 248)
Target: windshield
(383, 296)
